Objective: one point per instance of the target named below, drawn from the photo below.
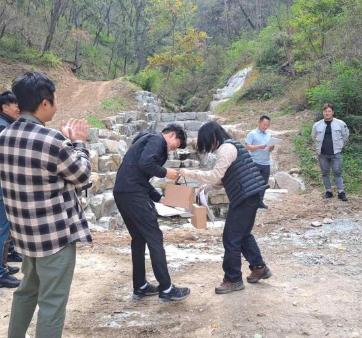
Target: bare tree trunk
(247, 17)
(57, 10)
(2, 32)
(139, 48)
(77, 58)
(111, 59)
(98, 33)
(125, 64)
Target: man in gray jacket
(330, 136)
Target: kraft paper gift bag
(199, 216)
(177, 195)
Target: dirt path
(75, 98)
(315, 291)
(80, 98)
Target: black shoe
(12, 270)
(7, 281)
(149, 290)
(262, 206)
(176, 294)
(342, 196)
(14, 257)
(328, 194)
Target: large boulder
(167, 117)
(217, 197)
(107, 180)
(109, 205)
(98, 147)
(203, 116)
(96, 183)
(115, 147)
(107, 222)
(93, 135)
(96, 205)
(193, 125)
(89, 215)
(294, 185)
(109, 122)
(109, 162)
(173, 164)
(186, 116)
(109, 134)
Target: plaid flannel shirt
(40, 171)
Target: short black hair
(7, 97)
(211, 136)
(179, 131)
(31, 89)
(264, 117)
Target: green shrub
(265, 87)
(13, 48)
(344, 90)
(95, 122)
(354, 122)
(114, 104)
(303, 145)
(148, 79)
(269, 57)
(269, 54)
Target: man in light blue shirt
(257, 144)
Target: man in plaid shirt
(40, 170)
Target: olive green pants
(46, 283)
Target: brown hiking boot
(227, 287)
(259, 273)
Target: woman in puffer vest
(236, 172)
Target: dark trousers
(334, 162)
(237, 239)
(11, 246)
(139, 213)
(265, 172)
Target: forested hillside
(303, 52)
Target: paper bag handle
(178, 179)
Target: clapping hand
(75, 130)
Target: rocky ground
(315, 290)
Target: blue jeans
(4, 234)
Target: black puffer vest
(243, 178)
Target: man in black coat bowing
(134, 196)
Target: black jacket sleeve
(154, 194)
(151, 157)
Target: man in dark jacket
(9, 112)
(134, 196)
